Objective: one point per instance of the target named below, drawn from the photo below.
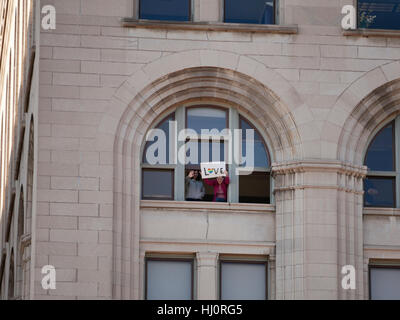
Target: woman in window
(220, 186)
(194, 186)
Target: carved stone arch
(258, 92)
(362, 107)
(375, 110)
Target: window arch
(381, 184)
(197, 134)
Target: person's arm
(203, 191)
(226, 180)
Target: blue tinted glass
(215, 152)
(250, 11)
(379, 14)
(380, 152)
(206, 118)
(164, 126)
(379, 192)
(172, 10)
(260, 153)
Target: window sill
(372, 33)
(209, 26)
(207, 206)
(375, 211)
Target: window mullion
(397, 159)
(180, 167)
(233, 190)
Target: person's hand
(191, 174)
(226, 173)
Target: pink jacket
(214, 183)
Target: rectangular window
(250, 11)
(168, 10)
(379, 191)
(169, 279)
(243, 280)
(158, 184)
(379, 14)
(384, 283)
(254, 188)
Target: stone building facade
(317, 95)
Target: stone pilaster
(318, 228)
(207, 275)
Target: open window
(179, 143)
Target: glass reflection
(172, 10)
(379, 192)
(380, 152)
(378, 14)
(250, 11)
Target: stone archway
(262, 94)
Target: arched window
(192, 135)
(383, 168)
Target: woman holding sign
(194, 187)
(220, 185)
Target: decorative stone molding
(207, 266)
(368, 102)
(209, 26)
(372, 33)
(318, 218)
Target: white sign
(212, 169)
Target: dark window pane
(385, 283)
(215, 152)
(379, 14)
(379, 192)
(243, 281)
(164, 126)
(260, 153)
(206, 118)
(380, 152)
(172, 10)
(254, 188)
(157, 184)
(250, 11)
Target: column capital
(297, 166)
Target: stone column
(207, 275)
(318, 228)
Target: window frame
(396, 161)
(378, 265)
(169, 259)
(190, 14)
(233, 122)
(241, 260)
(274, 15)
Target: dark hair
(198, 175)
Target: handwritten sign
(212, 169)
